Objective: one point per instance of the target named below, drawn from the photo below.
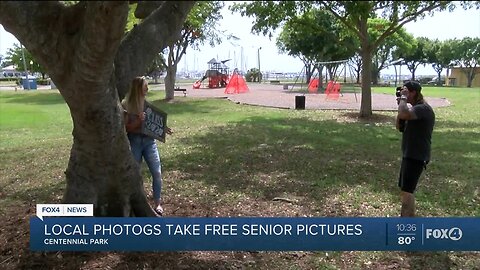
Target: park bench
(181, 89)
(274, 81)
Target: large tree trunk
(366, 103)
(375, 75)
(438, 69)
(439, 75)
(413, 68)
(170, 79)
(320, 78)
(171, 74)
(308, 72)
(83, 49)
(366, 53)
(101, 169)
(470, 75)
(357, 60)
(155, 77)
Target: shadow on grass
(311, 159)
(303, 159)
(373, 119)
(44, 193)
(440, 124)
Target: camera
(398, 92)
(401, 122)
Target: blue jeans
(146, 147)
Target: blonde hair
(133, 101)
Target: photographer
(418, 121)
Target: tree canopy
(467, 56)
(414, 55)
(440, 56)
(316, 36)
(15, 57)
(354, 15)
(383, 54)
(200, 27)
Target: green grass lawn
(226, 159)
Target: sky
(442, 25)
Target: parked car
(434, 81)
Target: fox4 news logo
(452, 234)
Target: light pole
(242, 65)
(398, 77)
(30, 66)
(25, 66)
(259, 72)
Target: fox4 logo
(452, 234)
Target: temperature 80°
(405, 240)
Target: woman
(140, 144)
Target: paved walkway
(275, 96)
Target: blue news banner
(253, 234)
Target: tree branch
(145, 8)
(68, 39)
(343, 20)
(43, 18)
(98, 45)
(407, 18)
(148, 38)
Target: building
(457, 77)
(10, 71)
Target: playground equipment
(333, 88)
(236, 84)
(217, 74)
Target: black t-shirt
(416, 139)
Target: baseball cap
(413, 86)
